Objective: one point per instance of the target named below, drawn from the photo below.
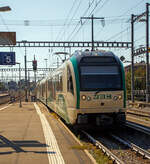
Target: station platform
(31, 135)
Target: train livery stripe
(124, 87)
(75, 66)
(53, 152)
(62, 108)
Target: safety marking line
(5, 107)
(52, 146)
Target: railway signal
(34, 64)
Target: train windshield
(105, 77)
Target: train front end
(101, 94)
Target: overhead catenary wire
(55, 23)
(117, 35)
(67, 19)
(82, 15)
(4, 23)
(82, 22)
(125, 13)
(85, 20)
(75, 12)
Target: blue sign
(7, 58)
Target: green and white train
(88, 89)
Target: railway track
(124, 150)
(132, 146)
(114, 158)
(6, 99)
(123, 154)
(138, 112)
(138, 127)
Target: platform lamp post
(46, 64)
(20, 105)
(25, 62)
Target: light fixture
(5, 8)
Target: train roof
(79, 54)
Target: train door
(71, 95)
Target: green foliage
(2, 86)
(139, 80)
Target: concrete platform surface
(30, 135)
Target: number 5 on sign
(8, 59)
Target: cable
(132, 7)
(75, 12)
(79, 21)
(91, 14)
(123, 15)
(3, 21)
(71, 9)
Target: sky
(59, 20)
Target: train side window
(69, 81)
(60, 83)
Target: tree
(2, 86)
(139, 80)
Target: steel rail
(103, 148)
(137, 113)
(134, 147)
(138, 127)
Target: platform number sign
(7, 58)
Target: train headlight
(120, 97)
(117, 97)
(83, 97)
(88, 98)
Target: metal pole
(132, 58)
(92, 27)
(12, 75)
(46, 65)
(46, 91)
(92, 24)
(57, 63)
(147, 53)
(25, 61)
(2, 75)
(20, 86)
(29, 82)
(35, 86)
(35, 76)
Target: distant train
(88, 89)
(13, 90)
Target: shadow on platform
(17, 146)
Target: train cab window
(69, 81)
(102, 77)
